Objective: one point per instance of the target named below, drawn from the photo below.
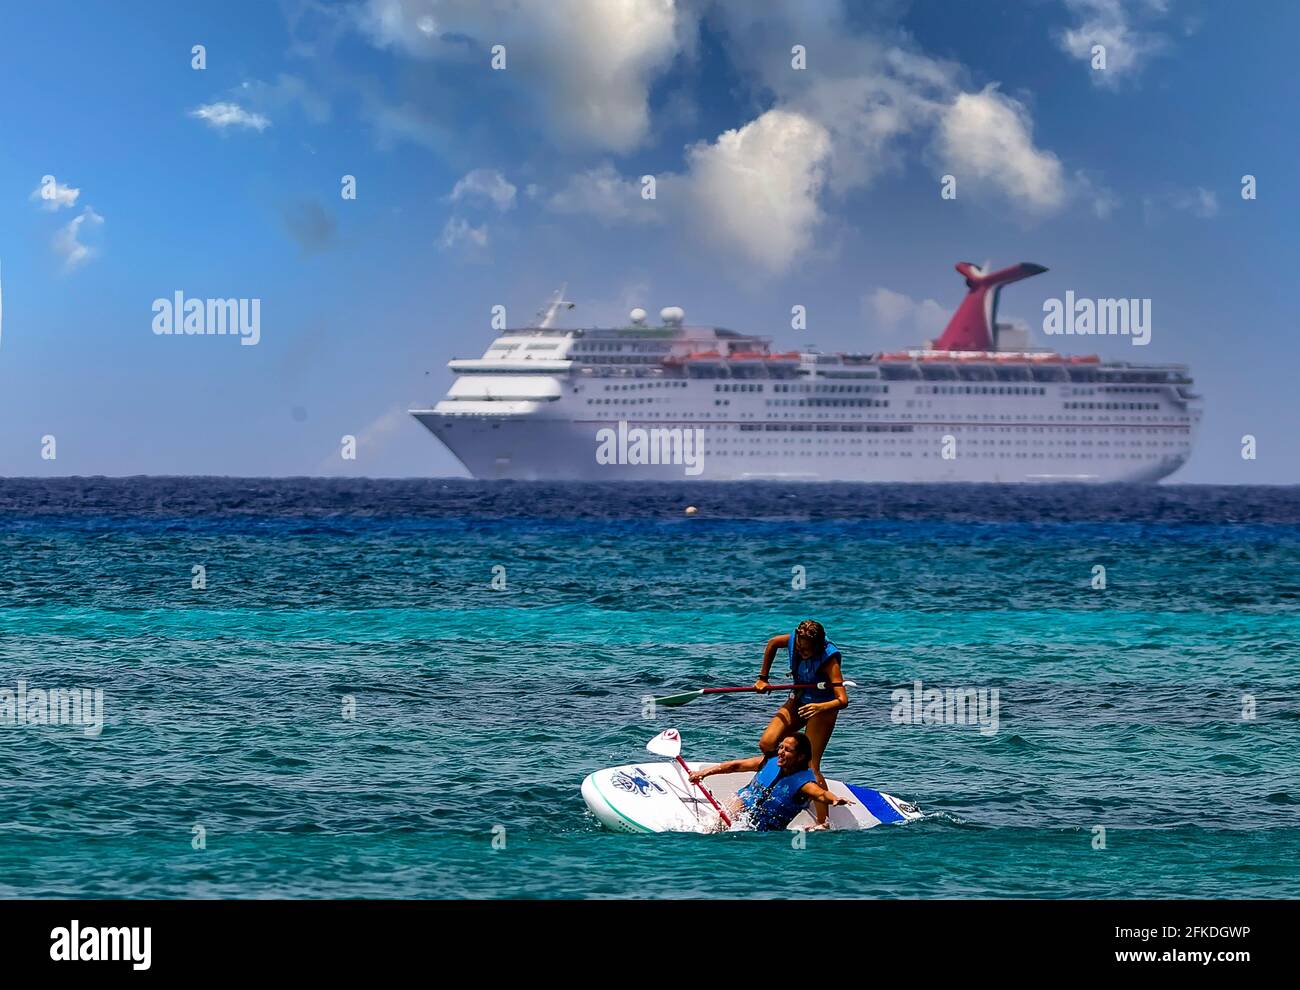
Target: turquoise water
(478, 710)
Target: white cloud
(869, 91)
(287, 91)
(590, 62)
(488, 184)
(1108, 23)
(459, 231)
(879, 99)
(602, 193)
(67, 241)
(869, 101)
(54, 195)
(985, 140)
(755, 189)
(1101, 199)
(223, 115)
(898, 320)
(1200, 202)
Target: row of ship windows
(639, 385)
(1011, 455)
(653, 348)
(829, 389)
(1113, 405)
(980, 390)
(609, 367)
(884, 403)
(822, 403)
(910, 428)
(861, 389)
(1111, 389)
(756, 387)
(632, 359)
(1091, 444)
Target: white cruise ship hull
(527, 449)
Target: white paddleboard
(657, 797)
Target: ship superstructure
(676, 401)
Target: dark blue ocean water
(1164, 708)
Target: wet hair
(812, 631)
(802, 746)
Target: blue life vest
(809, 672)
(773, 800)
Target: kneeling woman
(783, 785)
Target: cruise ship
(682, 402)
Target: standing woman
(813, 658)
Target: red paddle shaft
(779, 687)
(705, 791)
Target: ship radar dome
(672, 315)
(637, 317)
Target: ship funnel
(973, 326)
(672, 315)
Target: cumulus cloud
(485, 184)
(869, 101)
(898, 320)
(880, 99)
(985, 140)
(753, 191)
(603, 193)
(1109, 23)
(590, 62)
(221, 116)
(870, 90)
(53, 195)
(755, 188)
(68, 243)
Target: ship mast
(553, 308)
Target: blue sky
(477, 187)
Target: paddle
(669, 743)
(686, 697)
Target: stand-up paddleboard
(659, 797)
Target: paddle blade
(676, 700)
(668, 743)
